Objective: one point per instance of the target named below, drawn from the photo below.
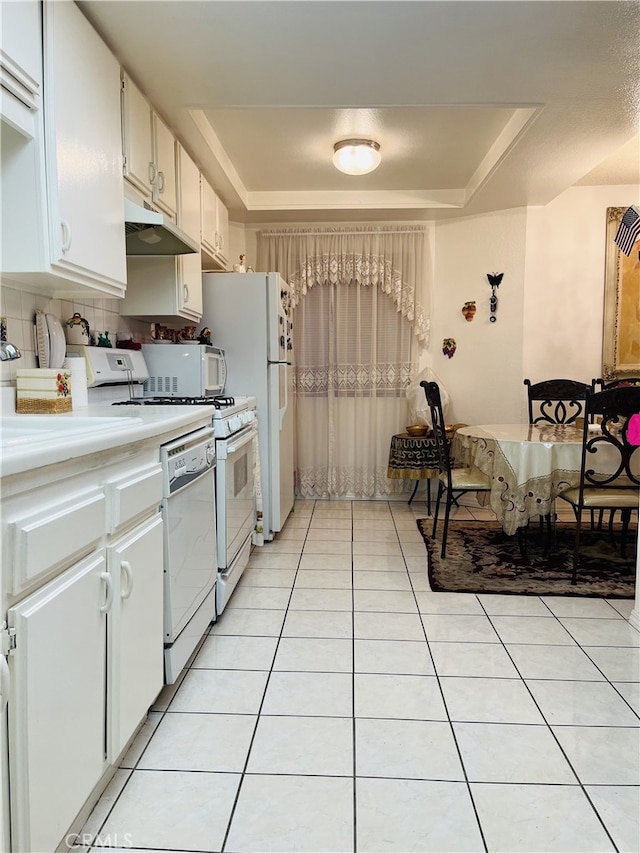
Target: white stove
(235, 427)
(238, 507)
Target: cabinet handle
(185, 294)
(161, 183)
(216, 241)
(125, 567)
(152, 173)
(66, 235)
(5, 683)
(106, 577)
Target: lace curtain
(359, 321)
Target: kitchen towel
(77, 367)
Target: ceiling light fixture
(356, 156)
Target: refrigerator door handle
(283, 411)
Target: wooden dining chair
(610, 466)
(556, 401)
(453, 481)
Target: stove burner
(219, 402)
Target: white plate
(57, 342)
(42, 337)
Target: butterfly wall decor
(494, 281)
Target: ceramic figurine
(240, 267)
(449, 347)
(469, 311)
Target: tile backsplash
(20, 308)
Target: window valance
(391, 258)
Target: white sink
(20, 430)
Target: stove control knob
(235, 423)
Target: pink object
(633, 430)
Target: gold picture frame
(621, 327)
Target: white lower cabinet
(57, 748)
(82, 633)
(135, 630)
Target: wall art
(621, 336)
(449, 347)
(494, 282)
(469, 310)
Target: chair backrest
(608, 457)
(434, 401)
(623, 382)
(556, 401)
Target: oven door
(235, 497)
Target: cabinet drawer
(52, 538)
(131, 496)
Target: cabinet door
(21, 64)
(209, 214)
(164, 194)
(190, 287)
(135, 630)
(83, 147)
(139, 168)
(189, 215)
(57, 702)
(222, 230)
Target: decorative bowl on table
(417, 430)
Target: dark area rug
(482, 558)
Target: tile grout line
(264, 693)
(446, 708)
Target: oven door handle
(240, 442)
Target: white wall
(564, 282)
(484, 377)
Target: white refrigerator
(249, 315)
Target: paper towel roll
(77, 367)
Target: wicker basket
(39, 406)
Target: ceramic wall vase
(469, 311)
(449, 347)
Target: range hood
(149, 232)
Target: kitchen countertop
(28, 442)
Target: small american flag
(628, 230)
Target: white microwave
(184, 370)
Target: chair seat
(470, 479)
(604, 498)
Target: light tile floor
(340, 705)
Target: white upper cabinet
(189, 206)
(149, 149)
(21, 65)
(63, 212)
(170, 287)
(137, 136)
(215, 229)
(190, 221)
(165, 161)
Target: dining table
(529, 466)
